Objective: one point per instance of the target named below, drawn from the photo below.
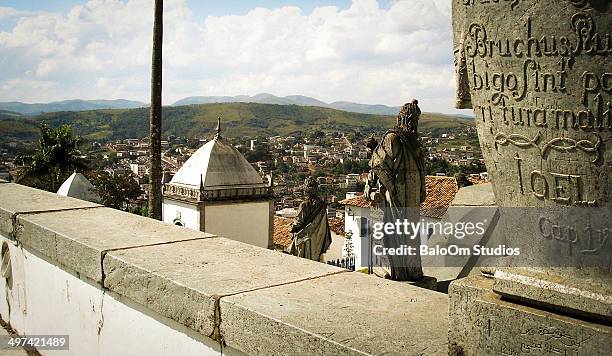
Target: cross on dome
(218, 129)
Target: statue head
(408, 117)
(311, 188)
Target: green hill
(239, 119)
(18, 127)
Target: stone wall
(118, 283)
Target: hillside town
(339, 161)
(205, 203)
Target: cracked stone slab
(348, 313)
(16, 198)
(184, 281)
(78, 239)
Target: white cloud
(365, 53)
(9, 12)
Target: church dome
(217, 165)
(77, 186)
(217, 171)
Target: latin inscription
(546, 91)
(586, 239)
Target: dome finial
(218, 133)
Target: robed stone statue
(311, 235)
(396, 185)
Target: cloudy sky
(367, 51)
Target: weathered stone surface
(475, 195)
(538, 74)
(348, 313)
(589, 297)
(16, 198)
(510, 329)
(78, 239)
(183, 280)
(461, 319)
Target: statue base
(558, 290)
(485, 321)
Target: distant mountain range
(263, 98)
(69, 105)
(239, 120)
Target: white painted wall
(47, 300)
(247, 222)
(352, 223)
(189, 214)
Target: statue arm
(298, 224)
(371, 182)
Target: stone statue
(398, 174)
(311, 235)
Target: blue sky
(365, 51)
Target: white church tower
(219, 192)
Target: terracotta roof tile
(440, 193)
(337, 225)
(282, 232)
(360, 201)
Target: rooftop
(217, 164)
(440, 194)
(282, 230)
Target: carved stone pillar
(539, 78)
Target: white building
(139, 169)
(219, 192)
(357, 222)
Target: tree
(474, 168)
(117, 191)
(259, 154)
(440, 165)
(155, 119)
(316, 134)
(55, 159)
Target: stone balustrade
(118, 283)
